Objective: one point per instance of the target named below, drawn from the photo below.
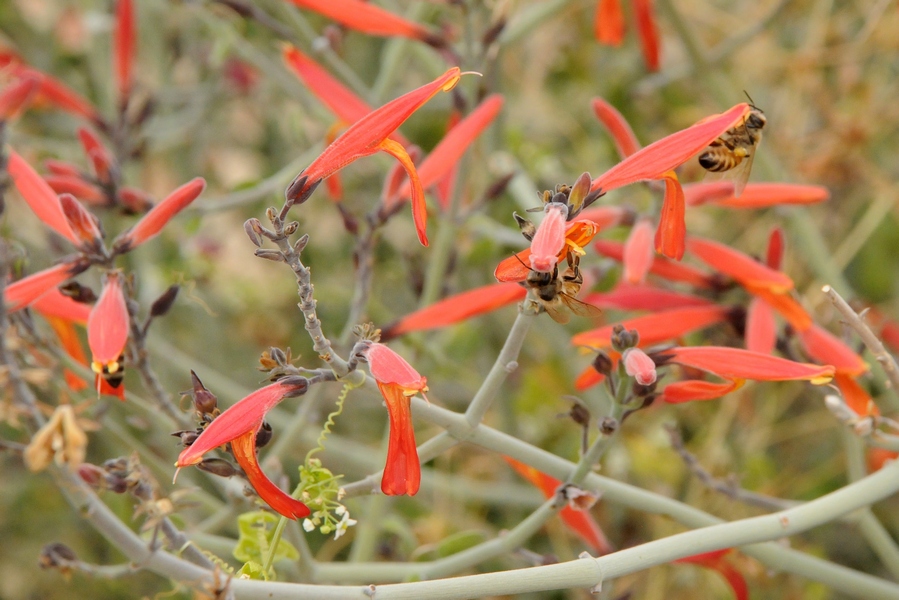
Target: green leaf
(256, 532)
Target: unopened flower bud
(623, 339)
(526, 226)
(579, 414)
(217, 466)
(251, 227)
(186, 436)
(204, 401)
(162, 304)
(640, 366)
(608, 425)
(603, 363)
(91, 475)
(57, 556)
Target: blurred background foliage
(225, 108)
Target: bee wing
(555, 309)
(582, 309)
(739, 175)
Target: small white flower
(340, 510)
(308, 525)
(345, 522)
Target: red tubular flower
(672, 229)
(697, 390)
(16, 96)
(100, 157)
(855, 396)
(776, 246)
(455, 309)
(657, 159)
(638, 253)
(368, 18)
(124, 43)
(39, 196)
(55, 304)
(608, 26)
(827, 348)
(239, 425)
(755, 195)
(735, 363)
(716, 561)
(750, 273)
(61, 167)
(83, 224)
(549, 241)
(81, 189)
(447, 153)
(579, 522)
(26, 291)
(648, 32)
(107, 334)
(369, 135)
(54, 92)
(643, 297)
(638, 365)
(761, 329)
(577, 236)
(68, 340)
(153, 222)
(657, 327)
(625, 140)
(661, 266)
(398, 382)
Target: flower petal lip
(244, 449)
(153, 222)
(643, 297)
(81, 189)
(638, 252)
(244, 416)
(653, 161)
(657, 327)
(761, 328)
(124, 44)
(741, 267)
(736, 363)
(388, 367)
(39, 196)
(100, 157)
(457, 308)
(367, 18)
(15, 97)
(402, 471)
(672, 230)
(25, 291)
(107, 325)
(827, 348)
(55, 304)
(625, 140)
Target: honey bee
(731, 155)
(555, 292)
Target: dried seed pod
(187, 436)
(162, 304)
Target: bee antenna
(751, 101)
(518, 258)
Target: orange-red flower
(657, 327)
(661, 266)
(608, 28)
(15, 97)
(40, 197)
(398, 382)
(26, 291)
(643, 297)
(124, 44)
(107, 334)
(101, 159)
(83, 224)
(625, 140)
(658, 161)
(580, 522)
(755, 195)
(736, 363)
(716, 561)
(238, 425)
(153, 222)
(369, 135)
(638, 252)
(455, 309)
(578, 235)
(692, 390)
(368, 18)
(55, 93)
(549, 240)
